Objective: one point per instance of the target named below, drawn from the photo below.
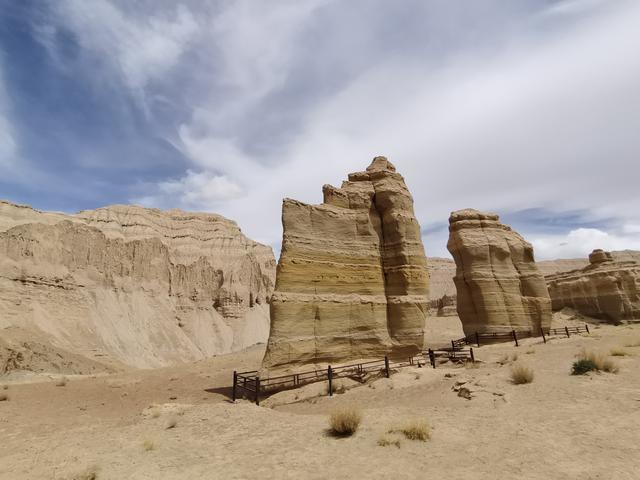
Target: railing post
(453, 346)
(473, 360)
(257, 390)
(587, 327)
(330, 377)
(432, 358)
(542, 333)
(566, 329)
(515, 337)
(386, 366)
(235, 380)
(477, 339)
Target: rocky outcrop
(499, 287)
(445, 306)
(352, 280)
(133, 286)
(608, 288)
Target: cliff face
(352, 279)
(608, 288)
(133, 286)
(499, 287)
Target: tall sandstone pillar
(352, 278)
(499, 287)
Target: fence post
(453, 346)
(587, 327)
(235, 380)
(477, 339)
(543, 337)
(515, 337)
(257, 390)
(386, 366)
(566, 329)
(330, 376)
(473, 360)
(432, 358)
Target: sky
(526, 108)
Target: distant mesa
(132, 286)
(607, 289)
(498, 284)
(352, 278)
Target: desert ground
(179, 423)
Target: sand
(558, 427)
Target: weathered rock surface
(445, 306)
(499, 287)
(608, 288)
(134, 286)
(352, 278)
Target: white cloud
(580, 242)
(195, 191)
(140, 47)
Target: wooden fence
(488, 337)
(254, 386)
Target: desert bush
(5, 387)
(61, 382)
(416, 430)
(619, 352)
(4, 397)
(521, 374)
(600, 363)
(530, 351)
(504, 359)
(582, 366)
(387, 440)
(514, 357)
(345, 422)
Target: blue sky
(530, 109)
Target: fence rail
(460, 350)
(251, 383)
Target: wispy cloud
(500, 106)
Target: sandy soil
(558, 427)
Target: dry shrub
(61, 382)
(514, 357)
(4, 397)
(387, 440)
(149, 445)
(5, 387)
(416, 429)
(619, 352)
(504, 359)
(521, 374)
(345, 422)
(530, 351)
(155, 414)
(601, 362)
(633, 343)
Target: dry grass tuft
(61, 382)
(619, 352)
(387, 440)
(415, 430)
(345, 422)
(514, 357)
(530, 351)
(4, 397)
(601, 362)
(149, 445)
(521, 374)
(155, 414)
(5, 387)
(633, 343)
(504, 359)
(172, 423)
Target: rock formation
(352, 278)
(499, 287)
(445, 306)
(133, 286)
(607, 289)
